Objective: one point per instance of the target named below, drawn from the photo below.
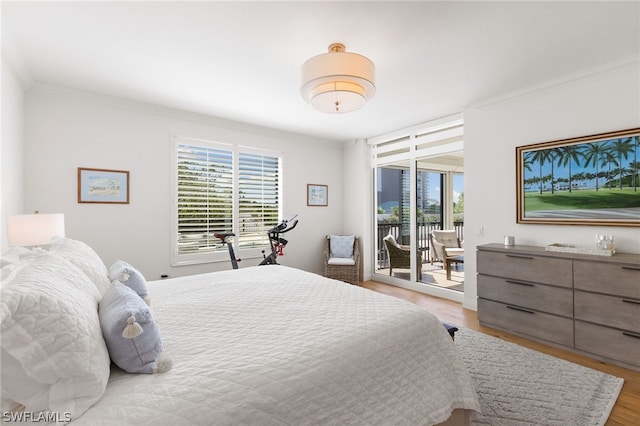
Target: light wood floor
(625, 412)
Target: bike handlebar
(283, 227)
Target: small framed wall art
(317, 195)
(103, 186)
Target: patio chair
(400, 256)
(446, 247)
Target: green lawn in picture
(582, 199)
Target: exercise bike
(276, 242)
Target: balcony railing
(400, 232)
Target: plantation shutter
(223, 188)
(205, 197)
(258, 196)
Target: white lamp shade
(34, 229)
(338, 81)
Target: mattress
(272, 345)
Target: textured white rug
(519, 386)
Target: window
(222, 188)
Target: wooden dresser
(590, 304)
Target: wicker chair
(343, 269)
(400, 256)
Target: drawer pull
(635, 302)
(631, 268)
(518, 256)
(521, 283)
(637, 336)
(520, 309)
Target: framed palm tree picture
(589, 180)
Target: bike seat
(223, 236)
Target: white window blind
(258, 191)
(222, 188)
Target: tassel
(124, 276)
(132, 329)
(163, 364)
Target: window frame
(221, 254)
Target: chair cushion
(341, 261)
(390, 239)
(447, 238)
(341, 245)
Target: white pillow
(341, 245)
(85, 258)
(14, 256)
(54, 357)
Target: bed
(274, 345)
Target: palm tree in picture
(621, 148)
(552, 154)
(635, 167)
(608, 159)
(543, 156)
(566, 156)
(540, 157)
(528, 160)
(592, 153)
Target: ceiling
(241, 60)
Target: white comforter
(273, 345)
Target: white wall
(12, 184)
(596, 103)
(67, 129)
(358, 200)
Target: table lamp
(34, 229)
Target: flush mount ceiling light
(338, 82)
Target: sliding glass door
(440, 206)
(393, 220)
(418, 189)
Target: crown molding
(12, 57)
(628, 63)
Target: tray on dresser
(570, 248)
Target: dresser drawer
(536, 324)
(524, 267)
(622, 280)
(539, 297)
(608, 310)
(608, 342)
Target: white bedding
(273, 345)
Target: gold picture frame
(588, 180)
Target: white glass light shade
(338, 82)
(34, 229)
